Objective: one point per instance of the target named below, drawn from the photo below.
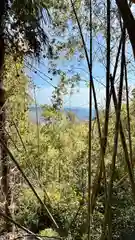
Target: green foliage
(50, 113)
(25, 21)
(62, 163)
(28, 208)
(49, 233)
(71, 116)
(54, 156)
(61, 160)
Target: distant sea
(81, 113)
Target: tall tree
(3, 155)
(21, 32)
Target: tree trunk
(3, 153)
(128, 19)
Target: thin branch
(75, 216)
(123, 141)
(44, 236)
(30, 165)
(96, 182)
(117, 125)
(128, 116)
(37, 124)
(89, 68)
(124, 145)
(7, 218)
(11, 139)
(99, 169)
(30, 185)
(39, 71)
(19, 135)
(108, 96)
(43, 78)
(90, 131)
(23, 145)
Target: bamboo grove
(67, 179)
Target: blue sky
(80, 97)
